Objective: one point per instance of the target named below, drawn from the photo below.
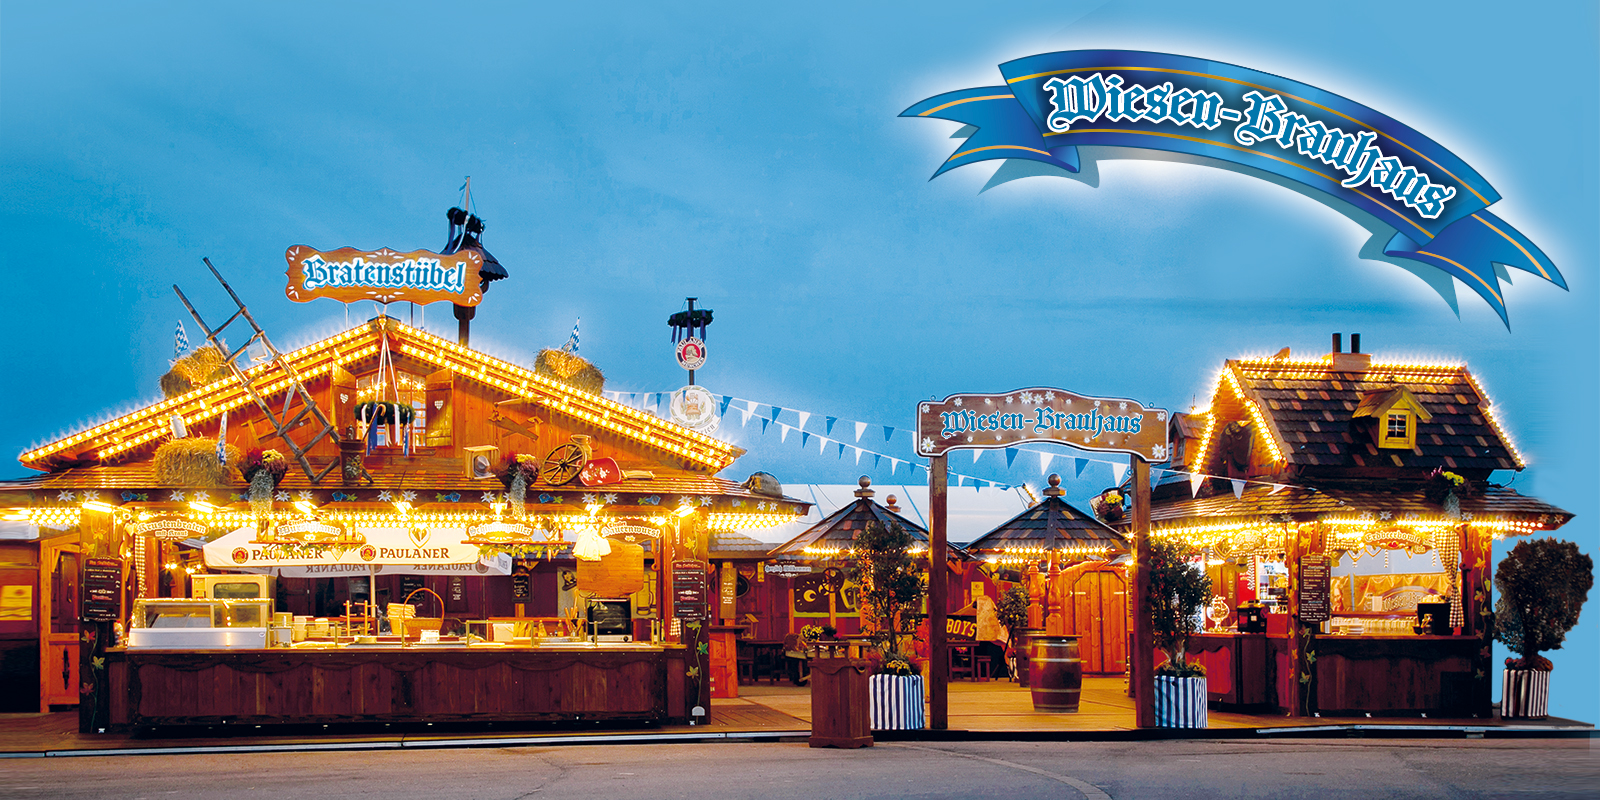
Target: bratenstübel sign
(994, 421)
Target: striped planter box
(1525, 694)
(896, 702)
(1180, 702)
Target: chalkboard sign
(521, 586)
(689, 589)
(1314, 589)
(102, 589)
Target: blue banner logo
(1051, 104)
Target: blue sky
(628, 156)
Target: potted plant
(892, 590)
(1177, 591)
(519, 472)
(1012, 611)
(1543, 585)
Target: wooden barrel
(1055, 673)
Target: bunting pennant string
(652, 403)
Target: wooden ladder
(281, 422)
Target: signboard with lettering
(993, 421)
(349, 275)
(102, 589)
(1314, 589)
(689, 589)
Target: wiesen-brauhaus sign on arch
(974, 421)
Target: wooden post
(1141, 670)
(939, 659)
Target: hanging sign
(695, 408)
(992, 421)
(1346, 155)
(691, 353)
(170, 530)
(349, 275)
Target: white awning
(388, 551)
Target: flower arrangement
(518, 473)
(270, 461)
(1108, 506)
(1443, 484)
(896, 664)
(810, 634)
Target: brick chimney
(1353, 361)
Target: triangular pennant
(894, 464)
(1238, 489)
(960, 479)
(861, 427)
(805, 416)
(1276, 487)
(1155, 475)
(805, 436)
(1044, 462)
(1078, 465)
(822, 444)
(976, 454)
(764, 423)
(831, 420)
(749, 411)
(841, 450)
(888, 433)
(775, 412)
(1011, 456)
(1117, 471)
(876, 457)
(858, 455)
(784, 437)
(1195, 479)
(726, 399)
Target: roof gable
(133, 434)
(1303, 411)
(1379, 402)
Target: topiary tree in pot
(1177, 591)
(1543, 586)
(891, 598)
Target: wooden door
(58, 624)
(1099, 621)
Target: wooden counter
(413, 684)
(1399, 675)
(1395, 675)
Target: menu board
(689, 589)
(102, 589)
(1314, 605)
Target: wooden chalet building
(1375, 476)
(103, 498)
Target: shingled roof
(1376, 499)
(1051, 524)
(1307, 409)
(837, 531)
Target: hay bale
(193, 462)
(202, 366)
(571, 369)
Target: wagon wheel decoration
(565, 462)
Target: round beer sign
(691, 353)
(695, 408)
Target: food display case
(200, 624)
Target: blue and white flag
(572, 341)
(180, 341)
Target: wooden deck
(978, 707)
